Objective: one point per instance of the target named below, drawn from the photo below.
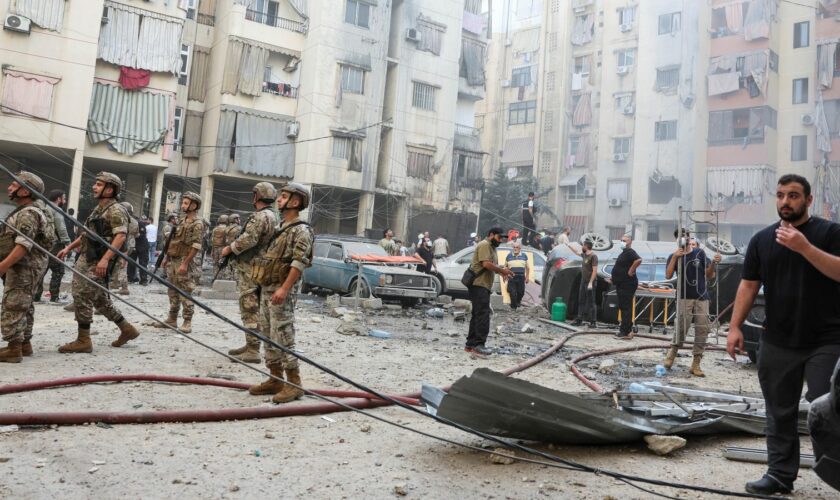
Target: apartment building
(371, 104)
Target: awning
(519, 150)
(571, 179)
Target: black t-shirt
(141, 242)
(527, 218)
(622, 264)
(425, 254)
(547, 243)
(802, 305)
(692, 269)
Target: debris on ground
(498, 459)
(664, 445)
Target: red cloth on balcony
(131, 78)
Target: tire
(600, 243)
(437, 283)
(410, 302)
(364, 293)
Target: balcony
(280, 89)
(205, 19)
(276, 21)
(468, 92)
(467, 138)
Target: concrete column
(134, 185)
(75, 181)
(157, 195)
(207, 183)
(401, 219)
(365, 219)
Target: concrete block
(333, 300)
(372, 303)
(224, 286)
(444, 299)
(350, 301)
(497, 301)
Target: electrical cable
(582, 467)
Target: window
(550, 78)
(669, 23)
(520, 77)
(574, 144)
(548, 121)
(185, 63)
(522, 112)
(341, 147)
(665, 131)
(801, 34)
(799, 148)
(663, 189)
(191, 4)
(625, 17)
(800, 91)
(545, 162)
(352, 79)
(431, 35)
(618, 189)
(621, 146)
(667, 78)
(626, 58)
(582, 65)
(176, 127)
(472, 6)
(740, 126)
(335, 252)
(357, 13)
(624, 102)
(578, 191)
(424, 96)
(419, 163)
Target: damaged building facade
(642, 107)
(371, 104)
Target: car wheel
(364, 289)
(599, 242)
(437, 284)
(721, 246)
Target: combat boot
(670, 357)
(251, 354)
(172, 319)
(238, 350)
(186, 326)
(123, 291)
(81, 344)
(12, 352)
(270, 386)
(127, 332)
(26, 348)
(70, 307)
(695, 366)
(289, 392)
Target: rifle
(162, 254)
(224, 261)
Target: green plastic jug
(558, 310)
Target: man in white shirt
(441, 247)
(563, 238)
(151, 237)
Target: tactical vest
(273, 267)
(219, 236)
(177, 247)
(248, 255)
(7, 237)
(93, 249)
(232, 232)
(44, 237)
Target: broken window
(669, 23)
(424, 96)
(431, 35)
(472, 61)
(419, 163)
(621, 146)
(740, 125)
(341, 147)
(667, 78)
(799, 148)
(728, 19)
(346, 147)
(520, 77)
(801, 34)
(663, 191)
(522, 112)
(357, 13)
(176, 127)
(624, 102)
(352, 79)
(577, 192)
(583, 30)
(800, 91)
(665, 130)
(185, 63)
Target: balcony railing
(281, 89)
(276, 21)
(206, 19)
(467, 131)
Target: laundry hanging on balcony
(821, 124)
(256, 142)
(583, 30)
(583, 111)
(760, 14)
(825, 62)
(140, 39)
(47, 14)
(132, 79)
(129, 121)
(472, 58)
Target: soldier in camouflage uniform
(182, 261)
(171, 219)
(109, 220)
(217, 241)
(233, 230)
(119, 278)
(278, 271)
(22, 266)
(256, 233)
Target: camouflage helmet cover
(223, 219)
(265, 191)
(233, 217)
(109, 178)
(128, 206)
(171, 215)
(192, 196)
(300, 190)
(32, 181)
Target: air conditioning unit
(505, 83)
(625, 27)
(292, 130)
(619, 157)
(623, 70)
(629, 109)
(589, 192)
(615, 202)
(413, 35)
(580, 10)
(17, 23)
(807, 119)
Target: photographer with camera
(693, 300)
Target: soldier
(22, 266)
(182, 260)
(256, 233)
(58, 197)
(278, 272)
(119, 278)
(109, 220)
(218, 240)
(233, 230)
(171, 219)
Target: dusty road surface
(345, 455)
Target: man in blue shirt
(693, 300)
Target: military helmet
(112, 179)
(233, 217)
(300, 190)
(223, 219)
(171, 215)
(128, 206)
(265, 191)
(192, 196)
(32, 181)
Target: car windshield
(361, 248)
(645, 272)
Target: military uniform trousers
(18, 311)
(186, 282)
(249, 300)
(87, 296)
(277, 322)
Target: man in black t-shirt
(587, 306)
(797, 260)
(626, 282)
(529, 231)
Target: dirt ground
(346, 455)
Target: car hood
(395, 270)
